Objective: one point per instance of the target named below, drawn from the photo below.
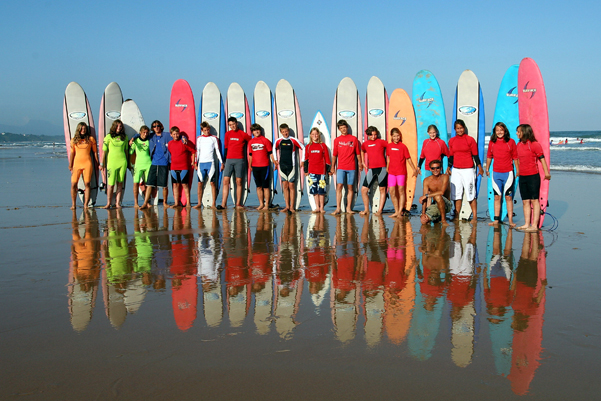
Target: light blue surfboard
(429, 109)
(506, 111)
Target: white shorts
(463, 179)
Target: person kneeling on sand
(435, 201)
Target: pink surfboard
(182, 114)
(532, 102)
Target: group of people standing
(159, 155)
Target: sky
(145, 46)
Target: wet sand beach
(218, 305)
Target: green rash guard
(116, 159)
(143, 160)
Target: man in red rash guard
(260, 152)
(346, 151)
(374, 153)
(180, 155)
(235, 162)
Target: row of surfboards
(521, 99)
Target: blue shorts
(503, 183)
(345, 177)
(179, 176)
(206, 172)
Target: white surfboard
(76, 109)
(376, 106)
(347, 106)
(263, 115)
(212, 111)
(237, 106)
(287, 111)
(110, 110)
(319, 122)
(132, 122)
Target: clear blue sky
(146, 45)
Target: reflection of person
(83, 146)
(207, 149)
(158, 176)
(184, 288)
(317, 164)
(398, 157)
(116, 153)
(435, 201)
(433, 148)
(346, 152)
(180, 160)
(463, 157)
(260, 153)
(374, 151)
(529, 308)
(529, 153)
(140, 147)
(235, 161)
(503, 150)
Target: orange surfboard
(402, 116)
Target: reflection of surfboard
(212, 111)
(263, 115)
(76, 109)
(506, 111)
(182, 113)
(469, 107)
(110, 110)
(429, 109)
(319, 122)
(132, 122)
(347, 106)
(237, 106)
(402, 116)
(376, 108)
(533, 110)
(287, 111)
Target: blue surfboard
(429, 109)
(506, 111)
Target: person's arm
(488, 161)
(450, 165)
(424, 197)
(543, 162)
(216, 149)
(95, 150)
(72, 156)
(412, 166)
(105, 148)
(359, 155)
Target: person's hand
(415, 173)
(548, 176)
(419, 171)
(480, 171)
(222, 166)
(448, 170)
(131, 141)
(487, 173)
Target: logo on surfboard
(113, 115)
(346, 114)
(401, 118)
(511, 93)
(263, 114)
(183, 106)
(376, 113)
(467, 110)
(421, 99)
(237, 114)
(529, 90)
(210, 115)
(78, 115)
(286, 113)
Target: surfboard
(237, 106)
(110, 110)
(287, 111)
(182, 114)
(319, 122)
(469, 107)
(532, 101)
(376, 107)
(263, 115)
(76, 109)
(506, 111)
(402, 116)
(132, 122)
(212, 111)
(347, 106)
(429, 109)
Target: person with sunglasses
(435, 201)
(158, 176)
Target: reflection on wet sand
(380, 287)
